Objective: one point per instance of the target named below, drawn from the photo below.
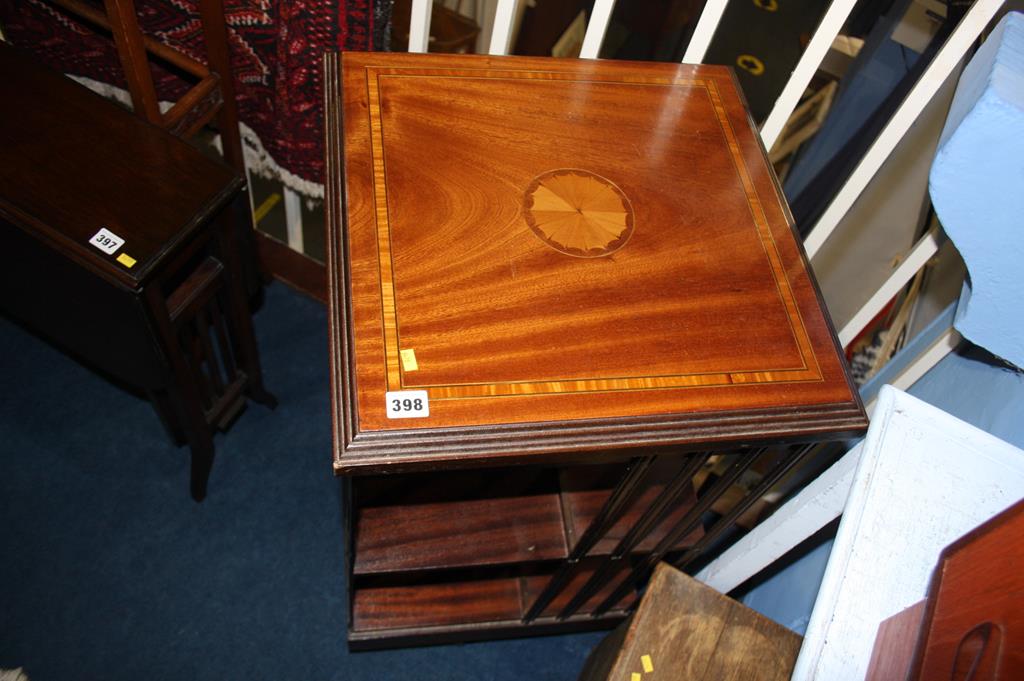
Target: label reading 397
(407, 404)
(106, 241)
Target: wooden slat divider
(203, 328)
(227, 354)
(669, 502)
(740, 463)
(585, 489)
(728, 521)
(183, 118)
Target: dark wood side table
(120, 245)
(560, 293)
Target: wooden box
(683, 629)
(557, 263)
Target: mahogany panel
(460, 520)
(567, 270)
(432, 634)
(894, 645)
(586, 488)
(431, 605)
(492, 606)
(973, 624)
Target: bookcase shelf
(537, 339)
(440, 604)
(434, 551)
(459, 520)
(466, 519)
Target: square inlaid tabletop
(533, 256)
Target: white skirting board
(919, 480)
(924, 478)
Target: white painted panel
(419, 25)
(923, 250)
(885, 220)
(293, 219)
(966, 32)
(704, 32)
(805, 69)
(924, 479)
(596, 28)
(501, 32)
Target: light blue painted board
(971, 386)
(788, 596)
(977, 188)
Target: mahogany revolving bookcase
(560, 290)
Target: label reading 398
(407, 404)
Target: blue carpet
(109, 571)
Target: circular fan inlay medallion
(578, 212)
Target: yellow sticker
(635, 676)
(126, 260)
(645, 660)
(409, 360)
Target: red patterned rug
(276, 46)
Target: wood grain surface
(973, 625)
(894, 645)
(467, 601)
(686, 630)
(460, 519)
(598, 244)
(474, 608)
(423, 605)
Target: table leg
(184, 394)
(238, 309)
